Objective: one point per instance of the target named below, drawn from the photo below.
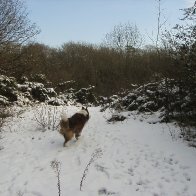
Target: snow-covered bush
(55, 101)
(8, 88)
(27, 92)
(116, 117)
(4, 101)
(85, 96)
(5, 112)
(165, 96)
(41, 78)
(23, 93)
(47, 117)
(39, 93)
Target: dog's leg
(66, 140)
(68, 136)
(77, 135)
(78, 132)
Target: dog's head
(85, 111)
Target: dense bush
(107, 69)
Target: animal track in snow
(187, 177)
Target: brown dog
(73, 125)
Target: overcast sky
(61, 21)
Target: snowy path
(138, 159)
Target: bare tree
(15, 27)
(124, 37)
(158, 22)
(161, 21)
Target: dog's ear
(87, 111)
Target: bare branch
(14, 24)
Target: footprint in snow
(104, 191)
(140, 182)
(1, 147)
(184, 167)
(78, 161)
(187, 177)
(131, 172)
(52, 141)
(34, 193)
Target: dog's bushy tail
(64, 124)
(64, 117)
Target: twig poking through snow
(97, 154)
(56, 165)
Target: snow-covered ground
(135, 158)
